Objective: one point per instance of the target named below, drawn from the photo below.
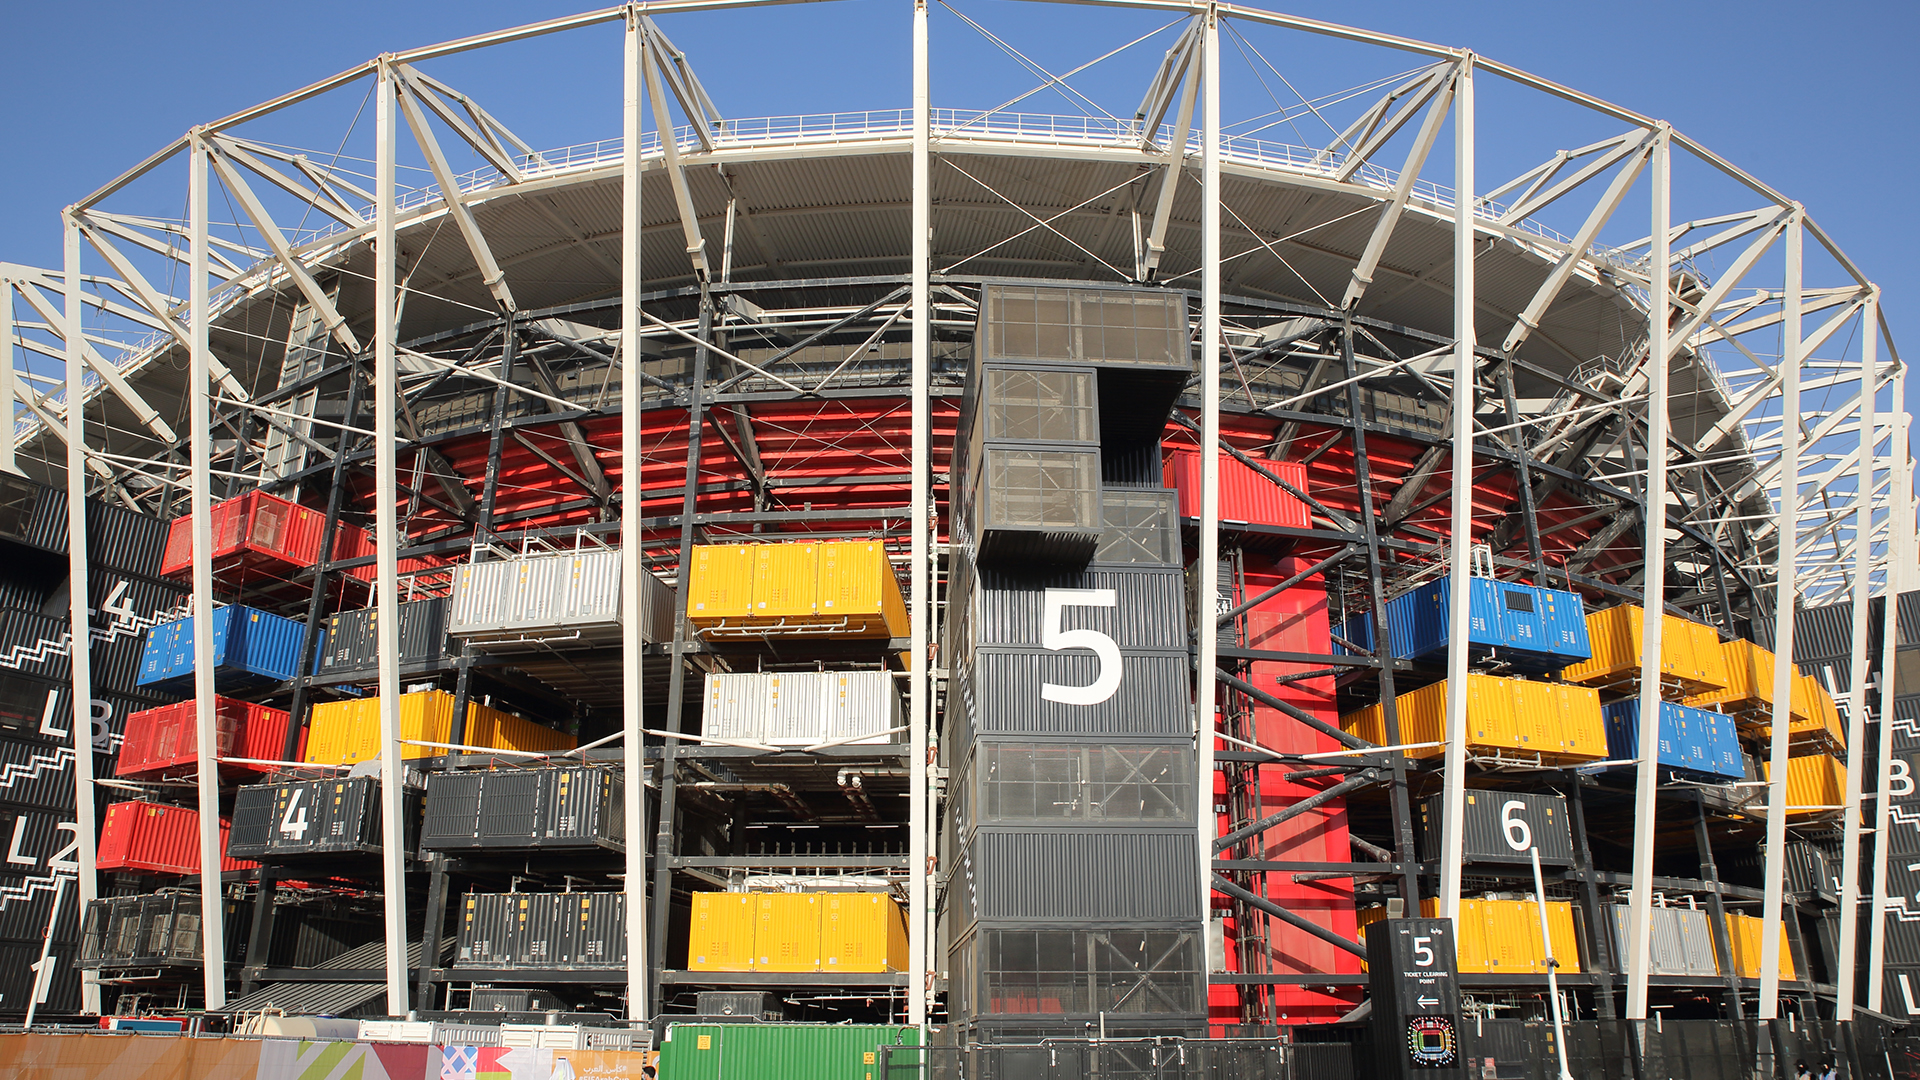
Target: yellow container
(837, 589)
(1691, 660)
(1552, 722)
(857, 584)
(1816, 785)
(786, 578)
(720, 583)
(345, 732)
(720, 934)
(786, 931)
(1503, 936)
(862, 932)
(1745, 937)
(1749, 696)
(1816, 725)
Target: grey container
(308, 818)
(1075, 782)
(1809, 873)
(525, 809)
(36, 774)
(1049, 975)
(35, 644)
(154, 931)
(27, 911)
(1493, 826)
(119, 539)
(513, 1001)
(19, 978)
(253, 822)
(542, 602)
(351, 649)
(802, 708)
(1139, 526)
(1682, 941)
(1010, 608)
(493, 930)
(124, 608)
(542, 930)
(1079, 876)
(754, 1003)
(33, 515)
(1035, 503)
(999, 692)
(1903, 939)
(1129, 327)
(1823, 632)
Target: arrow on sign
(1423, 1002)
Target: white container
(466, 1034)
(395, 1031)
(801, 708)
(541, 602)
(300, 1027)
(1682, 940)
(862, 707)
(775, 708)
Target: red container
(155, 838)
(353, 542)
(160, 743)
(1246, 497)
(255, 530)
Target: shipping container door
(785, 582)
(720, 583)
(721, 932)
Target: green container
(778, 1051)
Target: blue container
(1692, 741)
(1357, 629)
(1534, 630)
(251, 648)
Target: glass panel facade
(1057, 489)
(1040, 406)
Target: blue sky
(1818, 103)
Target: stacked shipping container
(1072, 873)
(38, 895)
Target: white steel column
(631, 563)
(393, 867)
(1788, 532)
(918, 570)
(1857, 695)
(1900, 541)
(1459, 549)
(206, 741)
(6, 382)
(1208, 626)
(80, 701)
(1653, 596)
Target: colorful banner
(170, 1057)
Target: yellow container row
(1691, 659)
(345, 732)
(1501, 937)
(840, 589)
(828, 932)
(1816, 786)
(1745, 938)
(1553, 722)
(1748, 695)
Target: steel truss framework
(743, 388)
